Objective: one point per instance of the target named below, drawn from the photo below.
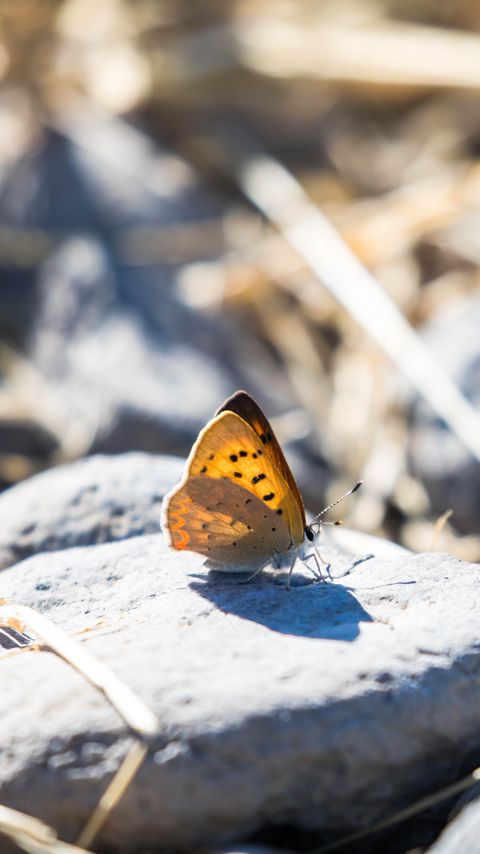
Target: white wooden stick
(279, 196)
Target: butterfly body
(237, 503)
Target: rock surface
(325, 708)
(95, 500)
(129, 383)
(462, 835)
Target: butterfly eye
(309, 534)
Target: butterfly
(238, 503)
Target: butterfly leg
(289, 576)
(318, 559)
(276, 560)
(252, 576)
(317, 573)
(325, 563)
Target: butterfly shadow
(314, 610)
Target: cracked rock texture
(326, 707)
(95, 500)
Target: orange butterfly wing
(213, 517)
(243, 405)
(233, 503)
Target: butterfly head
(312, 533)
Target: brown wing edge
(243, 405)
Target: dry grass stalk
(381, 54)
(281, 198)
(114, 792)
(32, 835)
(129, 706)
(439, 526)
(380, 230)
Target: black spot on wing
(258, 477)
(269, 496)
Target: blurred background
(139, 286)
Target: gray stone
(127, 384)
(470, 794)
(326, 707)
(95, 500)
(76, 291)
(461, 836)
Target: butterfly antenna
(334, 503)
